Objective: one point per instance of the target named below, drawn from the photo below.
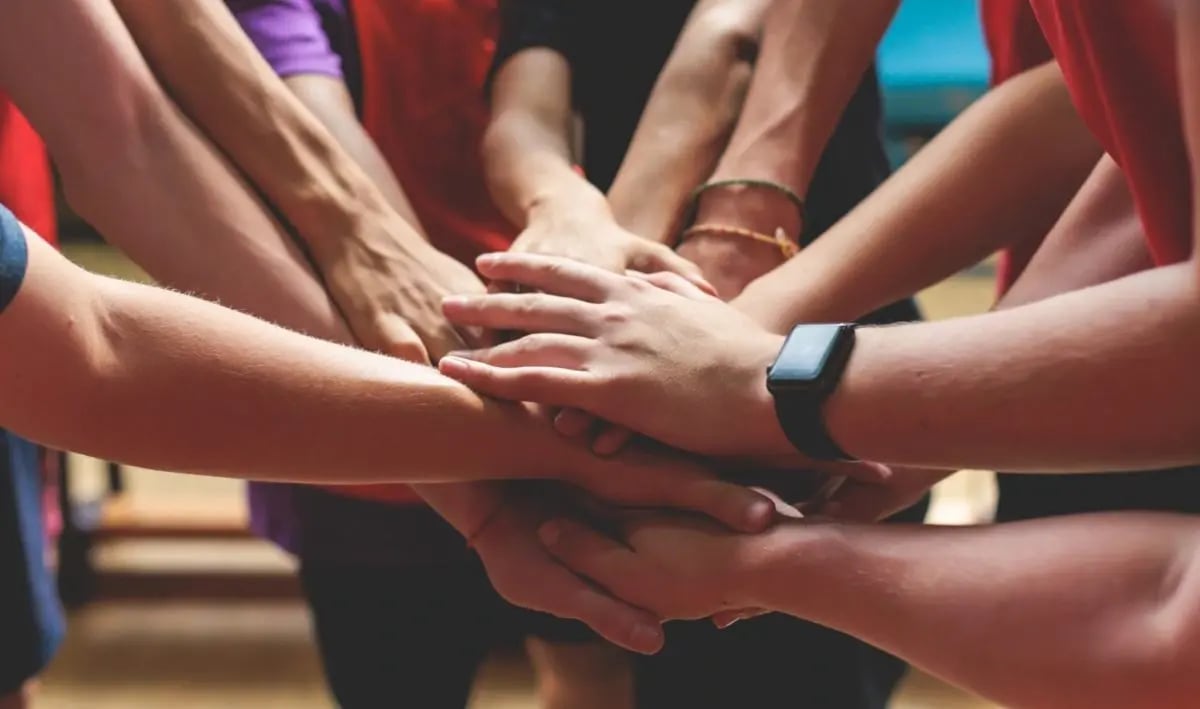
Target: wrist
(838, 410)
(768, 438)
(573, 201)
(787, 559)
(758, 208)
(371, 243)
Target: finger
(537, 350)
(527, 312)
(542, 385)
(666, 260)
(611, 440)
(782, 507)
(607, 562)
(680, 485)
(674, 283)
(565, 595)
(573, 423)
(552, 274)
(395, 337)
(442, 340)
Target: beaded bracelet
(693, 203)
(786, 246)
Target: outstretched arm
(528, 149)
(138, 170)
(960, 198)
(383, 275)
(1087, 611)
(150, 377)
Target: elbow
(732, 27)
(1161, 652)
(123, 139)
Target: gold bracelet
(780, 240)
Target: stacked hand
(390, 291)
(589, 234)
(584, 230)
(676, 365)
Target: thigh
(30, 615)
(407, 636)
(773, 660)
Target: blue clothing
(14, 257)
(31, 622)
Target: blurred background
(172, 602)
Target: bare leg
(592, 675)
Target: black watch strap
(806, 371)
(805, 427)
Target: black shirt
(616, 50)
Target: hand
(872, 500)
(525, 574)
(677, 567)
(645, 479)
(390, 291)
(675, 365)
(590, 234)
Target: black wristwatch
(805, 373)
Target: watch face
(805, 355)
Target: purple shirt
(317, 37)
(294, 36)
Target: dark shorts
(31, 621)
(415, 633)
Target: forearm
(814, 55)
(1099, 238)
(271, 404)
(218, 77)
(466, 506)
(134, 167)
(961, 197)
(329, 100)
(1098, 618)
(527, 149)
(1051, 386)
(689, 116)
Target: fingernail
(455, 300)
(485, 259)
(648, 639)
(453, 366)
(550, 533)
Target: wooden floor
(187, 654)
